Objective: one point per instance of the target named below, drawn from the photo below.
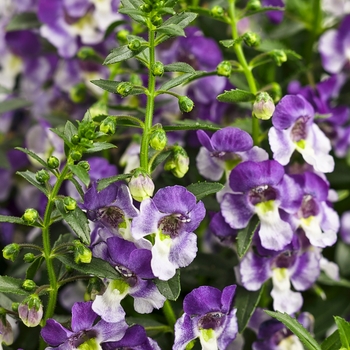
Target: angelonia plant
(175, 175)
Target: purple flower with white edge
(171, 216)
(318, 220)
(297, 263)
(294, 129)
(84, 332)
(208, 316)
(135, 338)
(222, 230)
(262, 188)
(333, 47)
(224, 150)
(134, 266)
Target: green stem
(150, 104)
(247, 70)
(169, 313)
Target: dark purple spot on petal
(300, 129)
(261, 194)
(309, 207)
(212, 320)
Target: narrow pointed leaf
(12, 285)
(175, 81)
(33, 155)
(179, 67)
(109, 180)
(170, 289)
(245, 236)
(30, 177)
(203, 189)
(236, 95)
(191, 125)
(171, 29)
(160, 158)
(344, 331)
(122, 53)
(22, 21)
(100, 146)
(14, 103)
(80, 173)
(34, 267)
(332, 342)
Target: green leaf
(134, 12)
(292, 54)
(133, 4)
(30, 177)
(112, 26)
(122, 53)
(236, 95)
(294, 326)
(171, 29)
(344, 331)
(77, 186)
(103, 183)
(34, 267)
(203, 189)
(342, 194)
(152, 327)
(14, 103)
(77, 221)
(33, 155)
(160, 158)
(245, 236)
(12, 220)
(99, 146)
(179, 67)
(332, 342)
(108, 85)
(175, 81)
(246, 302)
(230, 42)
(97, 267)
(188, 124)
(12, 285)
(81, 173)
(170, 289)
(206, 12)
(24, 20)
(324, 279)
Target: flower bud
(70, 204)
(141, 186)
(134, 45)
(158, 139)
(28, 285)
(82, 254)
(123, 35)
(6, 332)
(254, 5)
(135, 79)
(147, 8)
(30, 216)
(251, 39)
(158, 69)
(157, 20)
(29, 258)
(42, 176)
(85, 165)
(76, 155)
(78, 93)
(86, 52)
(224, 69)
(217, 11)
(185, 104)
(30, 311)
(178, 164)
(279, 56)
(14, 306)
(124, 89)
(11, 251)
(53, 162)
(75, 139)
(263, 106)
(108, 126)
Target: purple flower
(135, 338)
(345, 227)
(84, 330)
(208, 316)
(297, 263)
(333, 47)
(263, 189)
(222, 230)
(134, 266)
(294, 129)
(274, 16)
(172, 216)
(224, 150)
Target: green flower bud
(224, 68)
(11, 251)
(90, 134)
(135, 79)
(28, 285)
(124, 88)
(82, 254)
(279, 56)
(185, 104)
(78, 93)
(141, 186)
(76, 155)
(178, 163)
(254, 5)
(158, 69)
(158, 139)
(14, 306)
(263, 106)
(42, 176)
(251, 39)
(122, 35)
(30, 216)
(75, 139)
(134, 45)
(53, 162)
(146, 8)
(29, 258)
(108, 126)
(69, 203)
(30, 311)
(157, 21)
(217, 11)
(86, 52)
(275, 91)
(84, 164)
